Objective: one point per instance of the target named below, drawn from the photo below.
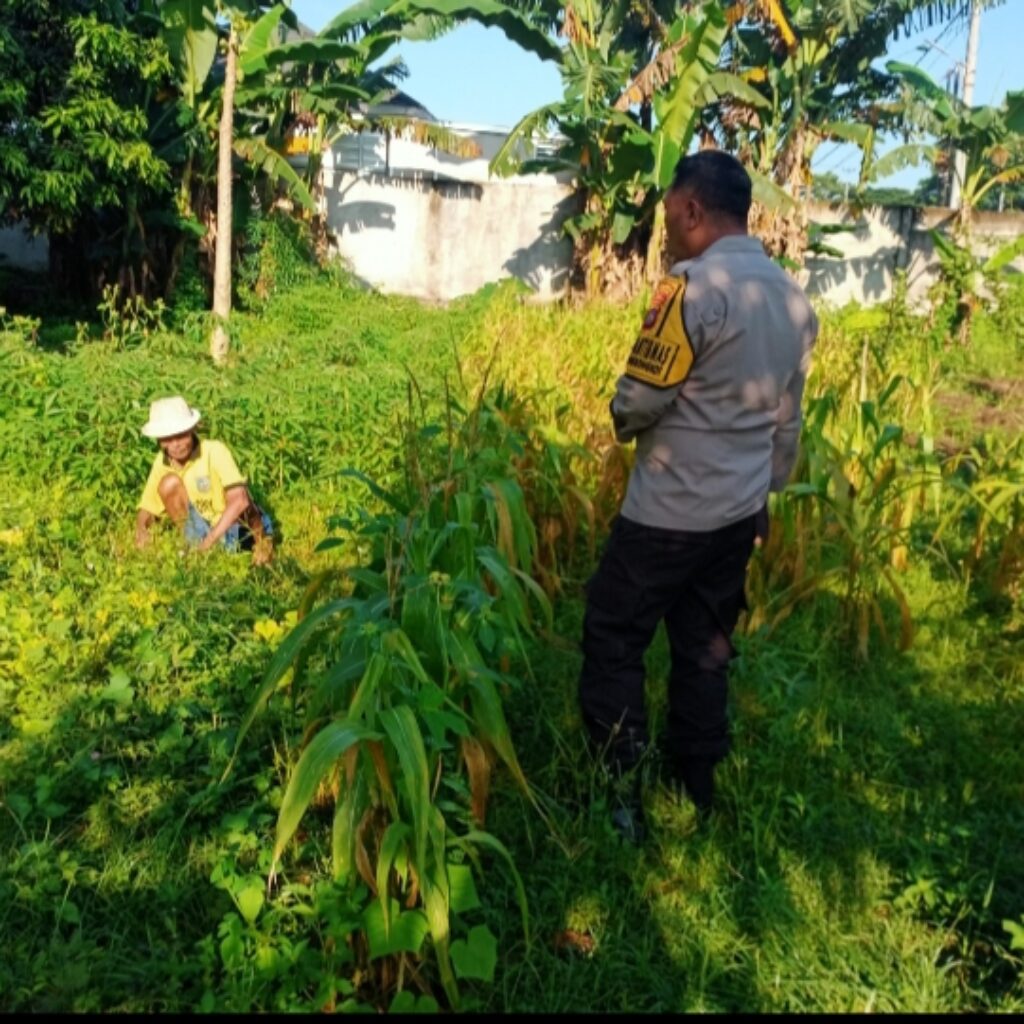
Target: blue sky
(475, 75)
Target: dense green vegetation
(868, 848)
(355, 778)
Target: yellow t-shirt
(207, 475)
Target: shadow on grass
(865, 848)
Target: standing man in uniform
(711, 394)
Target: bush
(277, 254)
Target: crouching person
(197, 483)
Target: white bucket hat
(170, 416)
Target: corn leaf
(400, 725)
(394, 837)
(290, 648)
(347, 815)
(317, 759)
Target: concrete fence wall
(882, 240)
(410, 219)
(412, 234)
(415, 233)
(413, 221)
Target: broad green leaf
(541, 598)
(406, 934)
(485, 839)
(721, 85)
(307, 52)
(849, 131)
(622, 225)
(361, 14)
(897, 159)
(316, 761)
(256, 151)
(768, 194)
(119, 689)
(923, 84)
(408, 1002)
(424, 629)
(677, 111)
(259, 39)
(477, 955)
(392, 500)
(516, 536)
(510, 592)
(489, 716)
(367, 690)
(435, 889)
(1004, 256)
(507, 160)
(250, 902)
(493, 14)
(462, 888)
(191, 37)
(396, 641)
(1016, 932)
(1014, 116)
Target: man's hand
(143, 521)
(263, 551)
(762, 526)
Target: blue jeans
(237, 535)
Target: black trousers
(694, 581)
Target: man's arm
(659, 362)
(637, 406)
(236, 501)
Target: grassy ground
(870, 840)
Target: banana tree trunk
(222, 256)
(654, 264)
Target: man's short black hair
(719, 182)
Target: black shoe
(630, 823)
(627, 815)
(696, 777)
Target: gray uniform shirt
(713, 387)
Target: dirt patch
(986, 406)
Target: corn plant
(843, 525)
(990, 486)
(400, 682)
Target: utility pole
(960, 159)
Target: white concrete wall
(436, 227)
(369, 152)
(885, 239)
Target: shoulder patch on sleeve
(662, 354)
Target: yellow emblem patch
(662, 354)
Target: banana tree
(631, 106)
(330, 83)
(992, 137)
(812, 60)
